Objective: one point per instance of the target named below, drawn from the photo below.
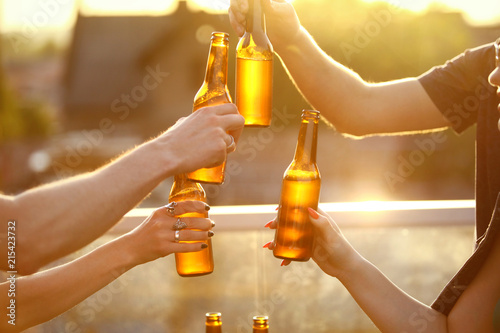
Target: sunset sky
(60, 14)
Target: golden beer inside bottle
(213, 92)
(294, 236)
(191, 263)
(254, 91)
(195, 263)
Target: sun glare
(120, 7)
(478, 11)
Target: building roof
(109, 54)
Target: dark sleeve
(459, 86)
(454, 289)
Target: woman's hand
(331, 250)
(155, 236)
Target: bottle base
(257, 126)
(205, 181)
(195, 274)
(293, 259)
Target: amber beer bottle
(213, 323)
(300, 190)
(213, 91)
(260, 324)
(254, 70)
(191, 263)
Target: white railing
(346, 214)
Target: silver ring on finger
(171, 208)
(230, 146)
(177, 236)
(179, 224)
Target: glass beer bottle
(300, 190)
(254, 70)
(213, 323)
(199, 262)
(213, 91)
(260, 324)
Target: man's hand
(281, 20)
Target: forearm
(323, 82)
(42, 296)
(67, 215)
(351, 104)
(390, 309)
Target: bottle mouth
(310, 114)
(220, 35)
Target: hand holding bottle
(331, 250)
(282, 22)
(203, 139)
(157, 236)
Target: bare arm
(389, 307)
(352, 105)
(57, 219)
(44, 295)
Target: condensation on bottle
(300, 190)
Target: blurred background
(73, 96)
(73, 92)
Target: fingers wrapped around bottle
(188, 234)
(168, 231)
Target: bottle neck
(216, 72)
(255, 17)
(213, 322)
(305, 152)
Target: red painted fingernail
(313, 213)
(283, 263)
(277, 208)
(268, 224)
(267, 245)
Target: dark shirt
(461, 91)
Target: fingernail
(277, 208)
(204, 246)
(267, 245)
(268, 224)
(211, 233)
(313, 213)
(283, 263)
(207, 207)
(213, 224)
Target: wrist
(162, 162)
(124, 254)
(353, 268)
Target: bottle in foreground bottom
(260, 324)
(213, 322)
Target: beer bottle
(260, 324)
(213, 91)
(191, 263)
(300, 190)
(254, 70)
(213, 323)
